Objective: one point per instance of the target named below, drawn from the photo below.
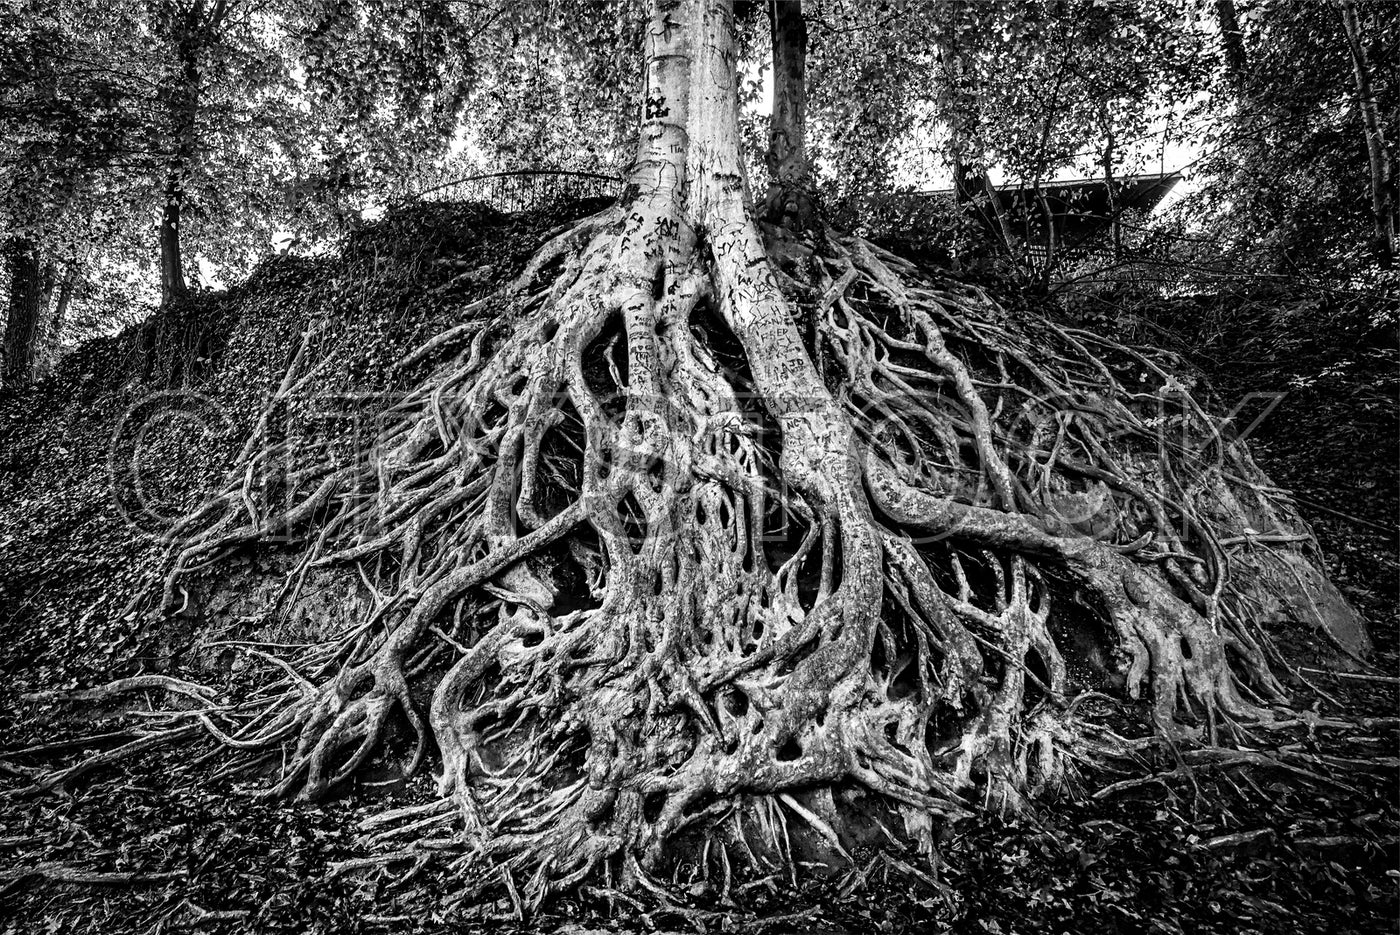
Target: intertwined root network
(672, 573)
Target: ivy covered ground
(157, 844)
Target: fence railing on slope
(524, 189)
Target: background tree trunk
(787, 149)
(48, 341)
(172, 273)
(1383, 195)
(789, 197)
(25, 314)
(1115, 221)
(190, 33)
(1232, 39)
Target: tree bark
(190, 32)
(1115, 225)
(24, 321)
(789, 195)
(787, 149)
(47, 351)
(172, 273)
(184, 108)
(1383, 184)
(1232, 41)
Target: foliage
(302, 114)
(1285, 166)
(554, 88)
(1028, 87)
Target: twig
(68, 744)
(1359, 676)
(65, 873)
(1239, 837)
(136, 683)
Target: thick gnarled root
(352, 711)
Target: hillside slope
(134, 431)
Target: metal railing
(524, 189)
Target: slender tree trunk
(1115, 227)
(24, 319)
(1383, 184)
(184, 112)
(977, 201)
(1232, 41)
(172, 273)
(788, 199)
(47, 353)
(1051, 245)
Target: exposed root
(200, 693)
(663, 584)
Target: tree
(25, 318)
(381, 85)
(1028, 89)
(1289, 184)
(228, 121)
(60, 128)
(789, 168)
(734, 534)
(1383, 185)
(189, 29)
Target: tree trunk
(53, 327)
(172, 273)
(1383, 181)
(788, 200)
(787, 147)
(190, 35)
(1115, 222)
(1232, 41)
(24, 323)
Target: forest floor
(155, 845)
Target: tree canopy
(300, 115)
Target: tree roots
(685, 565)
